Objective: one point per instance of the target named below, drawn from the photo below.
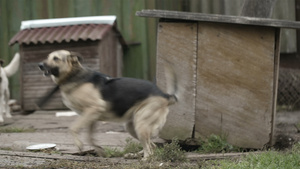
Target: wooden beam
(219, 18)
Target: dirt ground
(51, 129)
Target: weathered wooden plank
(235, 83)
(297, 4)
(219, 18)
(151, 41)
(177, 44)
(258, 8)
(32, 97)
(48, 106)
(136, 57)
(275, 83)
(108, 55)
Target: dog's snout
(41, 66)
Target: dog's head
(60, 63)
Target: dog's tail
(13, 66)
(172, 83)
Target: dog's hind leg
(130, 129)
(149, 118)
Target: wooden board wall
(235, 83)
(110, 55)
(176, 44)
(228, 73)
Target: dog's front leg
(98, 149)
(86, 120)
(74, 129)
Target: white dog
(6, 72)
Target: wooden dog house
(95, 38)
(228, 68)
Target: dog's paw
(79, 145)
(8, 115)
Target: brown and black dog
(95, 96)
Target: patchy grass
(6, 148)
(16, 130)
(268, 159)
(216, 144)
(47, 151)
(169, 152)
(113, 152)
(117, 165)
(130, 147)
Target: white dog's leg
(1, 108)
(6, 100)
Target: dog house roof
(65, 30)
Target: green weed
(16, 130)
(216, 144)
(169, 152)
(113, 152)
(130, 147)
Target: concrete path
(45, 127)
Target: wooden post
(258, 8)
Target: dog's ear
(75, 57)
(1, 62)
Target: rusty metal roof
(62, 34)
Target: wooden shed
(228, 67)
(95, 38)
